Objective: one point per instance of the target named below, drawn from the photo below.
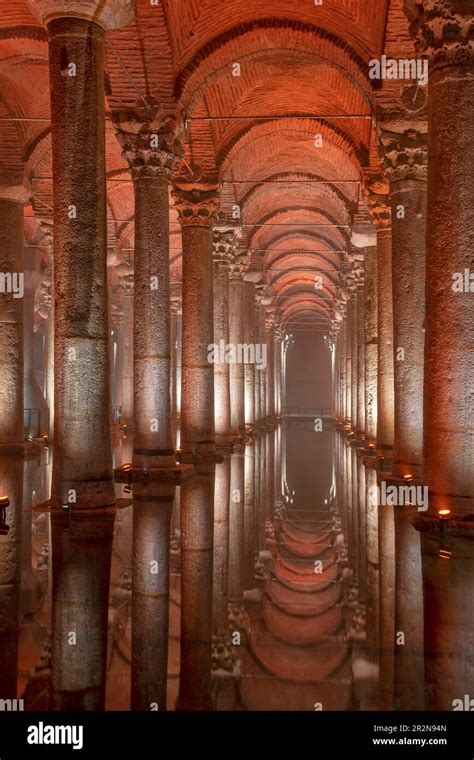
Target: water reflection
(266, 581)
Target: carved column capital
(224, 240)
(152, 147)
(405, 155)
(380, 211)
(443, 30)
(196, 206)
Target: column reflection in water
(236, 532)
(152, 508)
(197, 528)
(11, 488)
(220, 615)
(82, 550)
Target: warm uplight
(444, 554)
(408, 477)
(126, 467)
(444, 512)
(4, 501)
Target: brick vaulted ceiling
(287, 140)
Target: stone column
(354, 357)
(82, 466)
(360, 428)
(174, 307)
(249, 517)
(348, 383)
(196, 208)
(47, 227)
(343, 350)
(443, 33)
(251, 368)
(220, 613)
(371, 344)
(11, 489)
(151, 147)
(236, 532)
(33, 398)
(270, 370)
(277, 336)
(405, 160)
(236, 339)
(152, 508)
(126, 282)
(224, 241)
(11, 322)
(381, 213)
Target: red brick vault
(181, 176)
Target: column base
(130, 473)
(199, 457)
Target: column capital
(126, 277)
(152, 147)
(196, 205)
(442, 30)
(405, 155)
(224, 241)
(109, 14)
(380, 211)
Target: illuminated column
(11, 321)
(174, 308)
(220, 613)
(152, 508)
(348, 365)
(249, 517)
(82, 551)
(386, 530)
(47, 227)
(251, 368)
(277, 336)
(125, 272)
(236, 532)
(371, 344)
(343, 364)
(33, 395)
(443, 33)
(151, 148)
(236, 335)
(196, 208)
(373, 575)
(11, 487)
(223, 241)
(360, 429)
(354, 358)
(381, 214)
(270, 370)
(82, 448)
(405, 160)
(197, 531)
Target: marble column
(405, 160)
(371, 344)
(11, 322)
(270, 370)
(348, 383)
(236, 531)
(360, 428)
(236, 339)
(33, 397)
(381, 214)
(223, 241)
(443, 33)
(354, 358)
(151, 146)
(196, 208)
(251, 368)
(82, 465)
(220, 614)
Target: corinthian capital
(442, 30)
(152, 147)
(196, 206)
(405, 156)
